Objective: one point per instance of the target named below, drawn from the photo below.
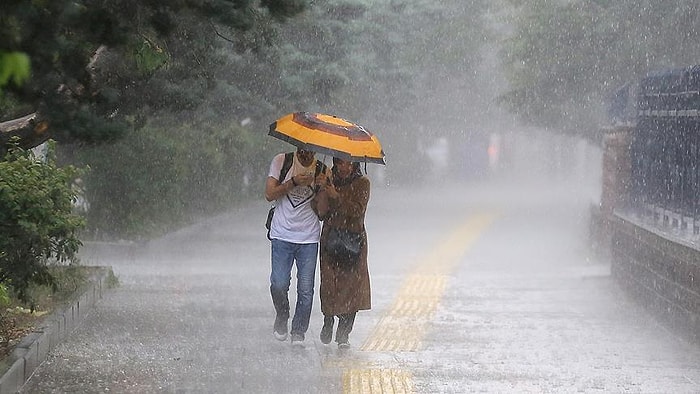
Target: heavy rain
(533, 223)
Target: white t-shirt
(294, 220)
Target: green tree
(377, 59)
(170, 90)
(105, 70)
(14, 67)
(37, 223)
(564, 58)
(401, 67)
(99, 68)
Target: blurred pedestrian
(345, 282)
(294, 236)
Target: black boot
(327, 330)
(345, 323)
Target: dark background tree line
(169, 103)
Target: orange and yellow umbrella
(329, 135)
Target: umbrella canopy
(330, 135)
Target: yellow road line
(404, 325)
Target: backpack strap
(288, 160)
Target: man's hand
(303, 179)
(332, 191)
(322, 181)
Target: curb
(35, 347)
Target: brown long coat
(343, 290)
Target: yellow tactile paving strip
(376, 381)
(405, 323)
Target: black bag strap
(288, 160)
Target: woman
(345, 287)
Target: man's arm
(274, 189)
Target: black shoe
(342, 340)
(280, 329)
(327, 330)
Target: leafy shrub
(112, 280)
(4, 296)
(167, 175)
(37, 223)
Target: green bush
(4, 297)
(165, 176)
(37, 224)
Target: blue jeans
(284, 254)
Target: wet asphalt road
(476, 288)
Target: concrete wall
(663, 274)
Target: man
(294, 235)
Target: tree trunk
(31, 131)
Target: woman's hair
(355, 173)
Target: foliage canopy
(99, 67)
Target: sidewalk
(35, 347)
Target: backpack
(286, 165)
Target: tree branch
(32, 130)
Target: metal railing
(665, 150)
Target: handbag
(343, 246)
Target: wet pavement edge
(35, 347)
